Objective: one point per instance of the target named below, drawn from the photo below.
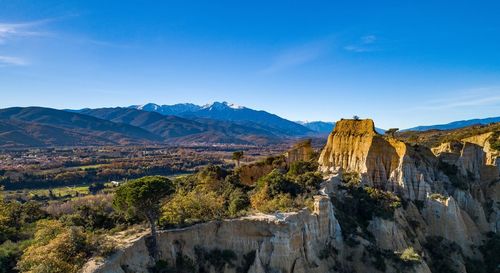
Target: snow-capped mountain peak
(222, 106)
(149, 107)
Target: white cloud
(358, 49)
(297, 56)
(25, 29)
(9, 60)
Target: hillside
(433, 138)
(182, 130)
(230, 112)
(456, 124)
(322, 127)
(37, 126)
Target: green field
(57, 192)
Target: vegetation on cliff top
(215, 193)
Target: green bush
(409, 256)
(10, 252)
(238, 202)
(309, 182)
(438, 197)
(495, 141)
(351, 179)
(56, 249)
(302, 167)
(192, 207)
(277, 183)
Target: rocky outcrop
(301, 151)
(383, 162)
(288, 242)
(472, 160)
(250, 173)
(465, 208)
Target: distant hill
(322, 127)
(326, 127)
(435, 137)
(178, 129)
(38, 126)
(234, 113)
(455, 124)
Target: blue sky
(402, 63)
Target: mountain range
(38, 126)
(231, 112)
(456, 124)
(216, 123)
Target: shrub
(56, 249)
(238, 202)
(309, 182)
(409, 255)
(352, 179)
(94, 188)
(386, 201)
(264, 203)
(438, 197)
(9, 254)
(302, 167)
(192, 207)
(495, 141)
(277, 183)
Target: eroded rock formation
(288, 242)
(449, 197)
(383, 162)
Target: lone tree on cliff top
(141, 198)
(237, 157)
(391, 132)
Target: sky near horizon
(402, 63)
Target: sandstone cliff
(448, 200)
(383, 162)
(289, 242)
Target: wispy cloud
(298, 56)
(358, 49)
(365, 44)
(484, 96)
(24, 29)
(9, 60)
